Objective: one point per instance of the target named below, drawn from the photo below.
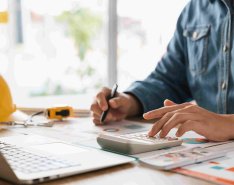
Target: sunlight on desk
(130, 174)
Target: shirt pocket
(197, 47)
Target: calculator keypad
(145, 138)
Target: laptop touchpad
(58, 149)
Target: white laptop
(31, 159)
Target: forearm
(158, 86)
(229, 126)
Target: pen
(112, 95)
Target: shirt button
(224, 85)
(195, 35)
(225, 48)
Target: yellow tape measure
(59, 112)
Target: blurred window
(145, 28)
(62, 48)
(59, 47)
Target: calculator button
(145, 138)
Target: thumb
(116, 102)
(168, 103)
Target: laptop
(31, 159)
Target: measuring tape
(55, 113)
(59, 112)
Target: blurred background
(71, 48)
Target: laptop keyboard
(28, 162)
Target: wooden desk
(128, 174)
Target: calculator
(135, 142)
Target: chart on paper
(219, 171)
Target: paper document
(83, 131)
(219, 170)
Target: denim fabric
(198, 62)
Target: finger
(199, 128)
(116, 102)
(168, 103)
(95, 116)
(157, 113)
(189, 125)
(176, 119)
(97, 121)
(96, 109)
(101, 98)
(110, 117)
(159, 124)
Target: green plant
(82, 26)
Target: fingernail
(161, 135)
(178, 134)
(104, 108)
(150, 133)
(144, 115)
(113, 103)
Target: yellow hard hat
(6, 104)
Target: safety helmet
(7, 106)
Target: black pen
(112, 95)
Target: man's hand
(122, 106)
(187, 117)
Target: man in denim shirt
(197, 66)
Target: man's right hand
(122, 106)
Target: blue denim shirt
(198, 64)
